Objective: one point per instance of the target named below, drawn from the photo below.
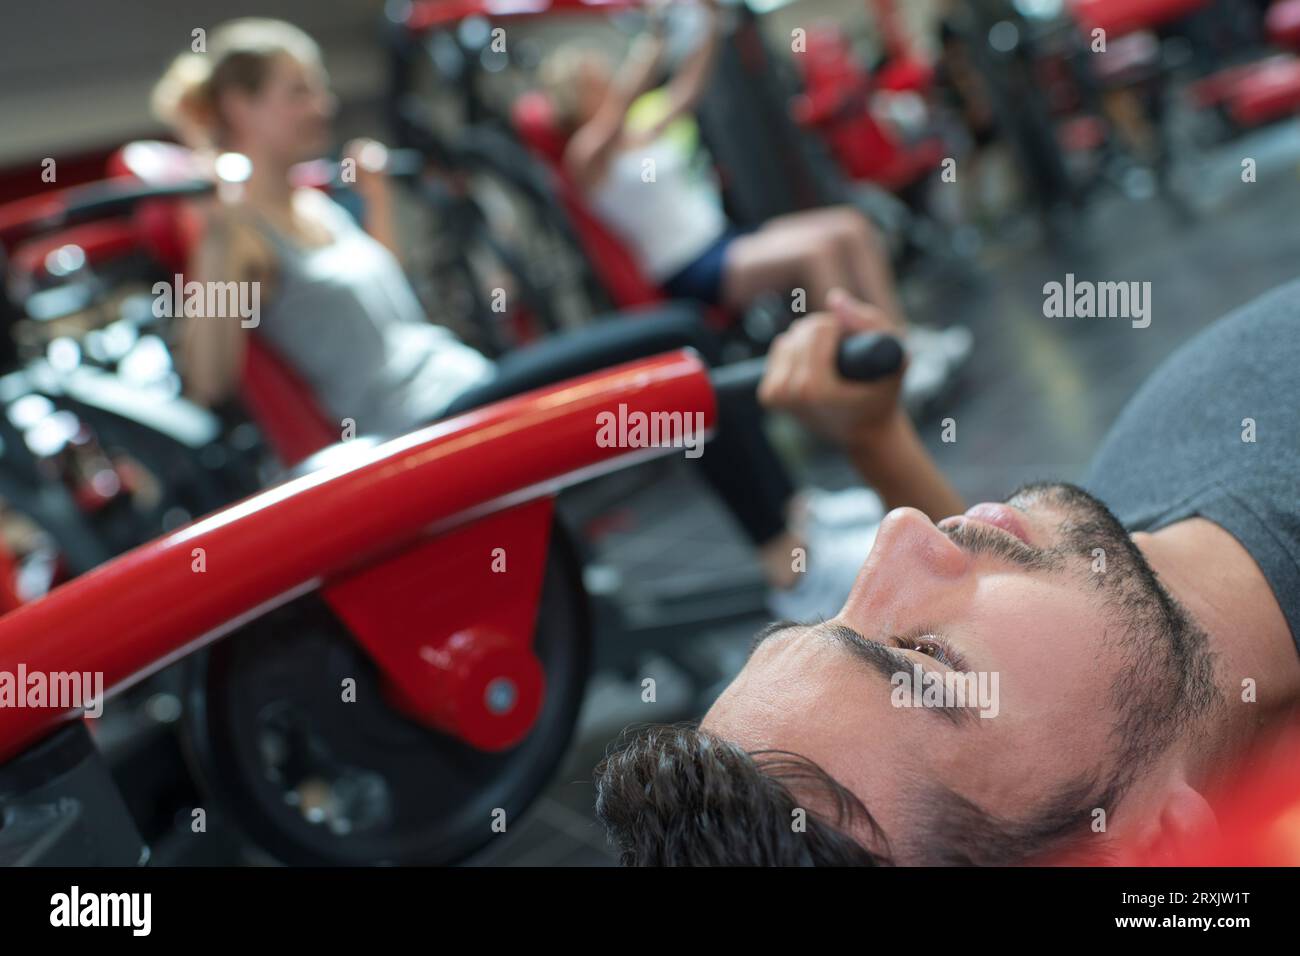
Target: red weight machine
(163, 229)
(533, 120)
(468, 689)
(610, 259)
(1247, 95)
(836, 104)
(475, 683)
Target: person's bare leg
(862, 252)
(869, 257)
(777, 259)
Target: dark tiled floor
(1037, 396)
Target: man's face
(1047, 591)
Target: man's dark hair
(675, 795)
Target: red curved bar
(149, 607)
(426, 15)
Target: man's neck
(1222, 587)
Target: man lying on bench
(1052, 678)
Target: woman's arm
(692, 77)
(376, 191)
(212, 349)
(592, 145)
(380, 222)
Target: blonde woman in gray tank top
(335, 300)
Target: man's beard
(1165, 683)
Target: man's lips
(1000, 516)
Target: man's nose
(909, 564)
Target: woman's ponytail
(183, 100)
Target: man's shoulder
(1262, 318)
(1285, 298)
(1256, 343)
(1197, 418)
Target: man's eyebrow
(771, 630)
(884, 660)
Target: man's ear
(1181, 819)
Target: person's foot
(831, 564)
(934, 356)
(828, 510)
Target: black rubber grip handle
(863, 357)
(399, 164)
(96, 201)
(868, 356)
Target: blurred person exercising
(338, 307)
(675, 224)
(1144, 633)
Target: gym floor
(1047, 391)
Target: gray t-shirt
(345, 316)
(1215, 433)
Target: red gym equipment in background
(1248, 95)
(469, 689)
(835, 107)
(836, 103)
(534, 123)
(1119, 17)
(421, 508)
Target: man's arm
(863, 418)
(896, 464)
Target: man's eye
(927, 646)
(924, 646)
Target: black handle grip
(863, 357)
(868, 356)
(326, 173)
(96, 201)
(111, 197)
(404, 163)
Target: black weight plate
(317, 781)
